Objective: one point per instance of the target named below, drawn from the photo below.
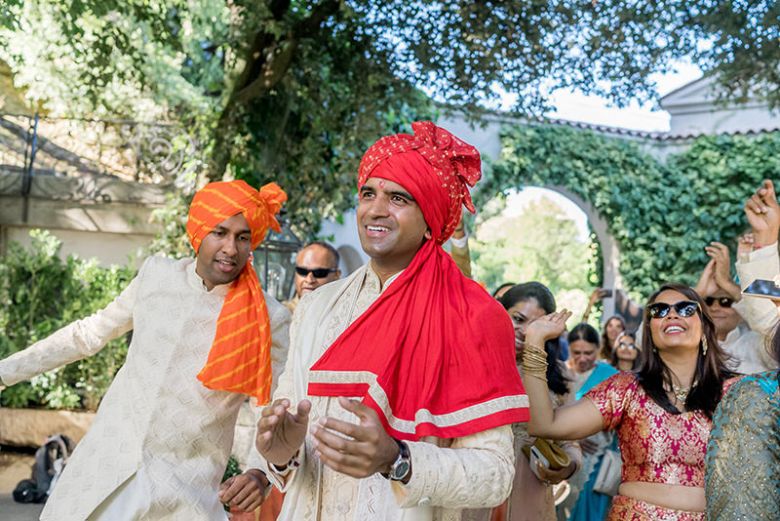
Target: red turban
(240, 357)
(443, 364)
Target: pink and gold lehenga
(656, 446)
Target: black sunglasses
(724, 302)
(684, 309)
(319, 273)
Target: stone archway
(609, 248)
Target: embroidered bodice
(656, 446)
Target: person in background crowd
(205, 337)
(625, 355)
(612, 328)
(583, 502)
(596, 295)
(757, 258)
(459, 248)
(743, 456)
(722, 297)
(316, 264)
(503, 288)
(350, 434)
(532, 498)
(669, 402)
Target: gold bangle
(534, 362)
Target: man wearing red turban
(204, 338)
(404, 372)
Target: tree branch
(275, 63)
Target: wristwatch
(402, 465)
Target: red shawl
(434, 354)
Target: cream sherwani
(760, 313)
(160, 441)
(449, 476)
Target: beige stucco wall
(111, 227)
(107, 248)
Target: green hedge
(660, 213)
(39, 293)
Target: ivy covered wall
(661, 214)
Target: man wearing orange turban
(204, 338)
(401, 385)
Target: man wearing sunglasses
(316, 264)
(721, 296)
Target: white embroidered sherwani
(159, 433)
(760, 313)
(448, 476)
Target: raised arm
(73, 342)
(570, 422)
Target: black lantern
(274, 261)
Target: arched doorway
(549, 234)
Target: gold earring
(704, 345)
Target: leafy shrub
(661, 214)
(40, 293)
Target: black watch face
(401, 470)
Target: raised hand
(281, 433)
(546, 328)
(595, 296)
(706, 285)
(719, 253)
(763, 214)
(745, 245)
(355, 450)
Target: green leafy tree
(541, 243)
(295, 91)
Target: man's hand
(245, 491)
(280, 433)
(546, 328)
(763, 214)
(719, 253)
(706, 285)
(745, 246)
(355, 450)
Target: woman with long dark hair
(532, 491)
(743, 456)
(612, 329)
(625, 353)
(662, 413)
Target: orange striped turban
(240, 357)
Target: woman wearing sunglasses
(662, 413)
(625, 355)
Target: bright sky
(575, 106)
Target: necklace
(681, 393)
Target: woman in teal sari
(588, 373)
(742, 478)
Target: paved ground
(13, 511)
(14, 468)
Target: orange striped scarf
(240, 357)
